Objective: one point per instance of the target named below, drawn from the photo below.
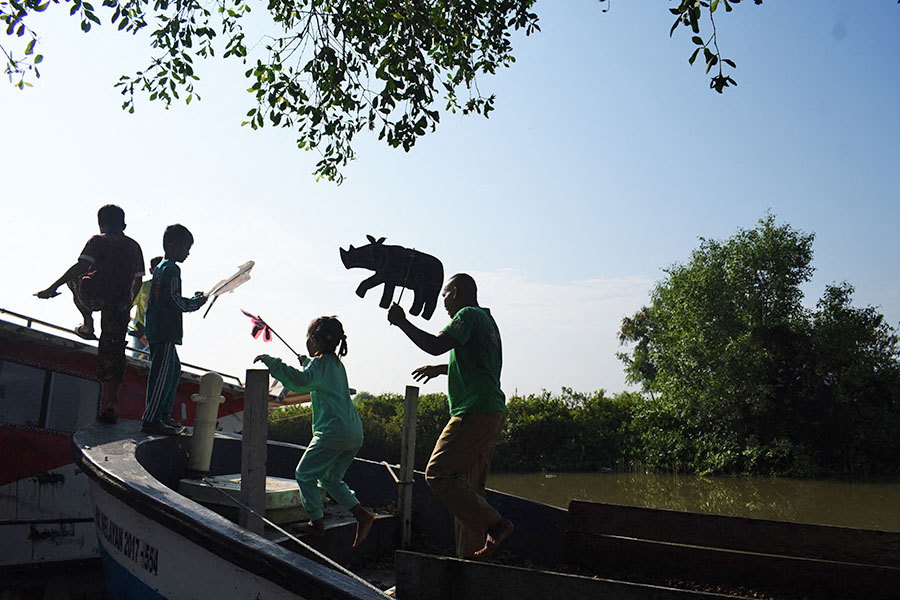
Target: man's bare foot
(496, 533)
(315, 528)
(364, 522)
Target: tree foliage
(570, 432)
(329, 69)
(742, 377)
(382, 419)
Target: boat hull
(143, 561)
(50, 389)
(156, 543)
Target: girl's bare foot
(496, 533)
(364, 522)
(315, 528)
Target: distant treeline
(737, 376)
(572, 432)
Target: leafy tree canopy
(330, 68)
(743, 377)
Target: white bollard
(208, 401)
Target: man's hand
(429, 372)
(50, 292)
(396, 315)
(201, 297)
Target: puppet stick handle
(406, 277)
(210, 306)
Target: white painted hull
(144, 560)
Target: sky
(606, 159)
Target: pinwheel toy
(261, 328)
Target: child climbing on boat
(337, 429)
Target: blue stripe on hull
(121, 584)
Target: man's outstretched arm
(432, 344)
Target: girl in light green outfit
(337, 430)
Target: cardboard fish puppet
(398, 266)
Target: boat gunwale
(198, 524)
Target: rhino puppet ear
(351, 248)
(370, 238)
(380, 240)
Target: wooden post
(407, 458)
(253, 449)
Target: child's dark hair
(329, 333)
(112, 215)
(177, 233)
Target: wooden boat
(157, 543)
(49, 389)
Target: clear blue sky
(606, 159)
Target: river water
(865, 505)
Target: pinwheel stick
(275, 333)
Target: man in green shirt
(458, 468)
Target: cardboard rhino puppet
(398, 266)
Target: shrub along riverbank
(572, 432)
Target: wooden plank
(253, 449)
(407, 459)
(428, 577)
(843, 544)
(649, 561)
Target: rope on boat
(390, 469)
(315, 552)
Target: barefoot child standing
(337, 429)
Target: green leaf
(694, 55)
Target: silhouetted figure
(140, 314)
(458, 468)
(398, 266)
(106, 278)
(164, 330)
